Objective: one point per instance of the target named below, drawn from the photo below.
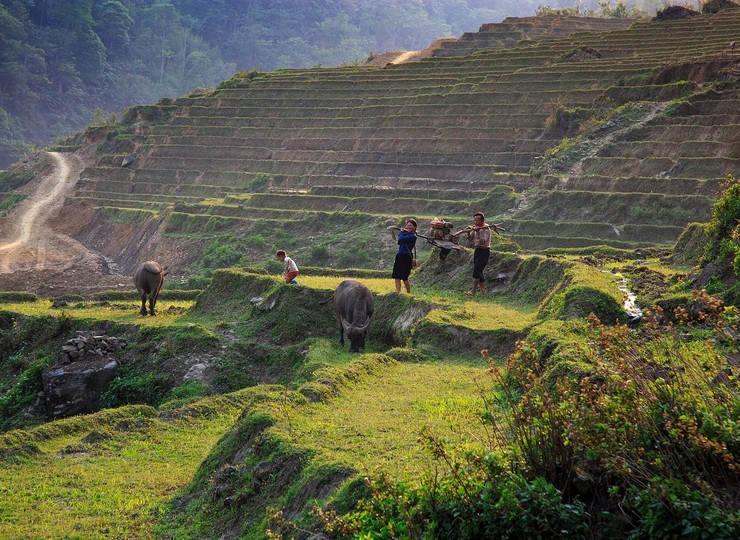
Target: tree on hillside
(162, 20)
(113, 23)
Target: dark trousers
(480, 260)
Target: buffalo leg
(341, 335)
(152, 302)
(143, 305)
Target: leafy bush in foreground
(642, 444)
(723, 231)
(481, 500)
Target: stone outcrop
(84, 371)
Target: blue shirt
(406, 243)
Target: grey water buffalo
(353, 305)
(148, 279)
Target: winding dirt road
(34, 257)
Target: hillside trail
(595, 144)
(592, 146)
(403, 57)
(32, 255)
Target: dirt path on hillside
(403, 57)
(597, 143)
(35, 258)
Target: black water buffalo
(148, 279)
(353, 304)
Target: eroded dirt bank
(35, 258)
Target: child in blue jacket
(404, 258)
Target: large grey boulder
(75, 388)
(82, 373)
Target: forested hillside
(65, 64)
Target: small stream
(634, 313)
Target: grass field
(168, 313)
(486, 314)
(374, 426)
(111, 480)
(113, 488)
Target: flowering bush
(641, 440)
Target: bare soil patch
(35, 258)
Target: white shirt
(290, 265)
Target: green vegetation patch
(17, 296)
(124, 465)
(536, 278)
(568, 122)
(169, 312)
(28, 345)
(229, 294)
(690, 246)
(8, 201)
(601, 251)
(587, 290)
(662, 92)
(128, 216)
(12, 179)
(165, 294)
(288, 452)
(350, 273)
(151, 366)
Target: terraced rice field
(433, 137)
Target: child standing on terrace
(404, 258)
(291, 268)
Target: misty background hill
(66, 64)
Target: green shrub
(259, 184)
(690, 245)
(240, 79)
(496, 504)
(133, 386)
(17, 296)
(649, 402)
(579, 301)
(12, 179)
(405, 354)
(731, 296)
(185, 393)
(565, 122)
(722, 246)
(24, 391)
(197, 281)
(223, 252)
(715, 6)
(669, 509)
(319, 254)
(8, 201)
(256, 241)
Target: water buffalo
(353, 305)
(148, 279)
